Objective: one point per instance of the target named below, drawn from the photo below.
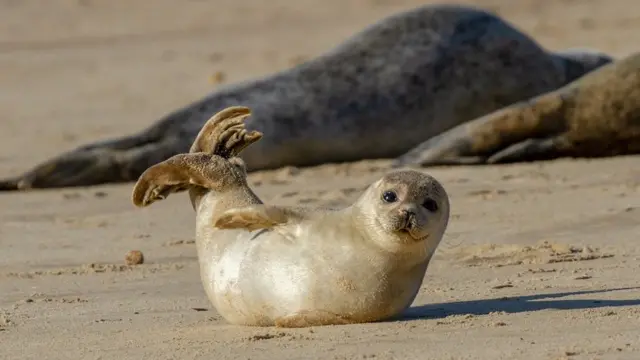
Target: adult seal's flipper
(502, 136)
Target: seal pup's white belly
(266, 275)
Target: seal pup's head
(404, 208)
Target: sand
(541, 261)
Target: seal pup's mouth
(416, 237)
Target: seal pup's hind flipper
(180, 172)
(224, 133)
(212, 163)
(258, 217)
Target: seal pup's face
(406, 207)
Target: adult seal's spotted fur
(410, 76)
(267, 265)
(597, 115)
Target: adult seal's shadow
(381, 92)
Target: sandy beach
(540, 260)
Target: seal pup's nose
(409, 218)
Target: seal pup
(266, 265)
(410, 76)
(597, 115)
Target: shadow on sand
(516, 304)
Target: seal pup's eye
(389, 196)
(430, 205)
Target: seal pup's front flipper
(258, 217)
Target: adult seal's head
(293, 267)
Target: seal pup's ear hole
(177, 174)
(257, 217)
(224, 133)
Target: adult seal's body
(293, 267)
(410, 76)
(597, 115)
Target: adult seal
(410, 76)
(597, 115)
(266, 265)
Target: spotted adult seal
(410, 76)
(266, 265)
(597, 115)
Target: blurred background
(74, 71)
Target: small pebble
(217, 77)
(134, 257)
(502, 286)
(582, 277)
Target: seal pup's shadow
(515, 304)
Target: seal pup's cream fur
(269, 265)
